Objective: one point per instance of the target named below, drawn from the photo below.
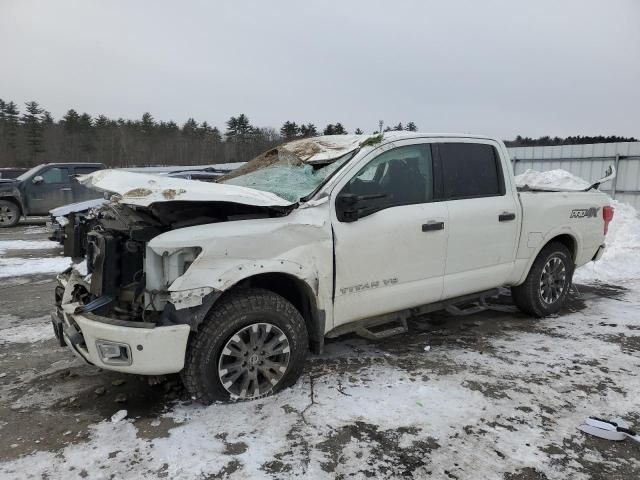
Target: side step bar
(363, 327)
(366, 332)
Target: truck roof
(325, 148)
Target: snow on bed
(620, 262)
(14, 267)
(552, 179)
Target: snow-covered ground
(14, 266)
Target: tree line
(33, 136)
(546, 140)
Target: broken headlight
(176, 263)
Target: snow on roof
(328, 147)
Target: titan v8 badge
(584, 212)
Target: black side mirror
(350, 207)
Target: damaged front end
(114, 308)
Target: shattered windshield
(283, 173)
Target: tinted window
(85, 170)
(470, 170)
(55, 175)
(403, 175)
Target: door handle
(432, 226)
(65, 189)
(506, 217)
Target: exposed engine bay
(113, 238)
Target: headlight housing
(177, 262)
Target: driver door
(392, 256)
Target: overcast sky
(492, 67)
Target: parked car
(42, 188)
(231, 283)
(11, 172)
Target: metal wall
(589, 162)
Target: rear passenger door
(484, 217)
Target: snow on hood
(321, 149)
(143, 190)
(550, 180)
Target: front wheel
(9, 214)
(251, 344)
(545, 290)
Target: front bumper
(153, 350)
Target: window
(403, 176)
(470, 170)
(85, 170)
(55, 175)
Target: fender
(547, 237)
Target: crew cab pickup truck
(42, 188)
(232, 283)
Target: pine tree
(398, 128)
(308, 130)
(329, 130)
(289, 130)
(11, 113)
(358, 131)
(32, 123)
(87, 136)
(411, 127)
(190, 128)
(338, 129)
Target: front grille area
(113, 261)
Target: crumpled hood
(143, 190)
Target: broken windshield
(283, 173)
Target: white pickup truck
(232, 283)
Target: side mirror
(350, 207)
(37, 179)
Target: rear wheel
(9, 214)
(545, 290)
(252, 344)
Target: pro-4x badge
(584, 212)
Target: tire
(218, 348)
(9, 214)
(545, 290)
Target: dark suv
(42, 188)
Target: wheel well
(13, 200)
(301, 297)
(568, 241)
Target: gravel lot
(493, 395)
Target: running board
(363, 327)
(367, 333)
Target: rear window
(470, 170)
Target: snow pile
(14, 267)
(621, 259)
(551, 180)
(26, 245)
